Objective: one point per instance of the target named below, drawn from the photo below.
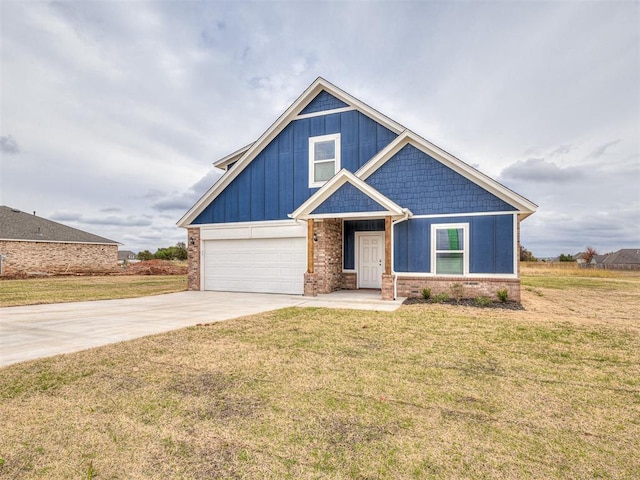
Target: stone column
(193, 258)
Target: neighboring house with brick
(32, 244)
(335, 195)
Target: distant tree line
(177, 252)
(526, 255)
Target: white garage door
(265, 265)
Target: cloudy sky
(112, 112)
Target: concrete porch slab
(353, 300)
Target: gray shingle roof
(625, 256)
(17, 225)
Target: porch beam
(387, 245)
(310, 245)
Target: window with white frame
(324, 158)
(450, 249)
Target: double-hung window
(324, 158)
(450, 249)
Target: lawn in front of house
(34, 291)
(429, 391)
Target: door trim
(358, 236)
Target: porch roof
(347, 196)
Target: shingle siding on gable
(490, 243)
(323, 101)
(348, 199)
(277, 180)
(416, 181)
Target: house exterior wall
(57, 258)
(408, 286)
(322, 102)
(277, 180)
(350, 229)
(348, 199)
(491, 244)
(416, 181)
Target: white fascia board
(287, 117)
(359, 105)
(337, 181)
(232, 157)
(255, 148)
(408, 137)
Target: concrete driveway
(37, 331)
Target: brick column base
(310, 285)
(387, 287)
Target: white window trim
(323, 138)
(465, 250)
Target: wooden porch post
(310, 245)
(387, 245)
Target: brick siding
(57, 258)
(327, 256)
(349, 281)
(413, 286)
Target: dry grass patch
(81, 288)
(430, 391)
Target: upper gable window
(324, 158)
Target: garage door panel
(271, 265)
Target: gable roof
(21, 226)
(407, 137)
(338, 181)
(292, 113)
(624, 256)
(126, 255)
(243, 157)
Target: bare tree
(588, 255)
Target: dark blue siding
(504, 242)
(257, 188)
(244, 206)
(271, 164)
(416, 181)
(482, 237)
(277, 180)
(348, 199)
(349, 237)
(323, 101)
(401, 247)
(490, 243)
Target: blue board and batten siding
(490, 248)
(276, 182)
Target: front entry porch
(349, 255)
(333, 250)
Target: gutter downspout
(406, 212)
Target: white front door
(370, 259)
